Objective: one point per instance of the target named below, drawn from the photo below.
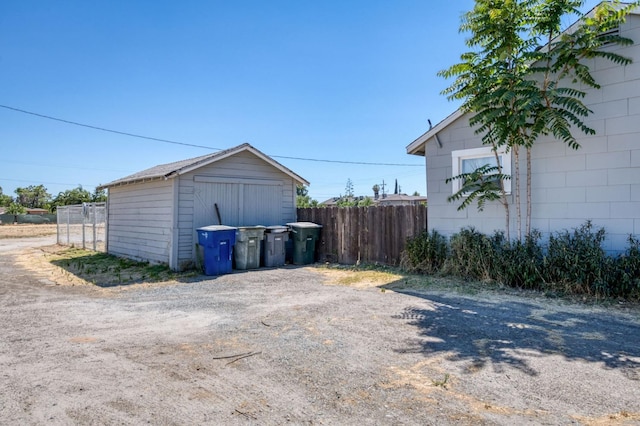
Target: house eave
(418, 146)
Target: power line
(348, 162)
(44, 183)
(133, 135)
(60, 166)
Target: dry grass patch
(358, 278)
(25, 230)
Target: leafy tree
(347, 202)
(5, 200)
(33, 197)
(365, 202)
(69, 197)
(303, 200)
(15, 208)
(519, 91)
(483, 184)
(301, 190)
(99, 196)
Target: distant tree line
(37, 197)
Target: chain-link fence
(83, 225)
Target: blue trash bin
(217, 242)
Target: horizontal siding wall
(243, 166)
(140, 220)
(598, 182)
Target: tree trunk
(504, 200)
(515, 187)
(528, 191)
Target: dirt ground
(303, 345)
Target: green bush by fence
(27, 218)
(572, 262)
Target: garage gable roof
(172, 170)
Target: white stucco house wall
(153, 215)
(598, 182)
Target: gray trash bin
(247, 249)
(275, 239)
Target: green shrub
(425, 253)
(472, 255)
(519, 264)
(576, 262)
(573, 262)
(625, 272)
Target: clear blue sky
(329, 80)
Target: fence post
(58, 226)
(68, 226)
(94, 226)
(83, 224)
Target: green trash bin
(305, 236)
(247, 248)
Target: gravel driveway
(282, 346)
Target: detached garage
(153, 215)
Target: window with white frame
(468, 160)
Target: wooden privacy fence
(365, 234)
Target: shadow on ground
(501, 332)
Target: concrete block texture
(618, 193)
(586, 211)
(549, 180)
(634, 105)
(609, 160)
(625, 210)
(635, 193)
(628, 175)
(622, 125)
(586, 178)
(635, 156)
(574, 160)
